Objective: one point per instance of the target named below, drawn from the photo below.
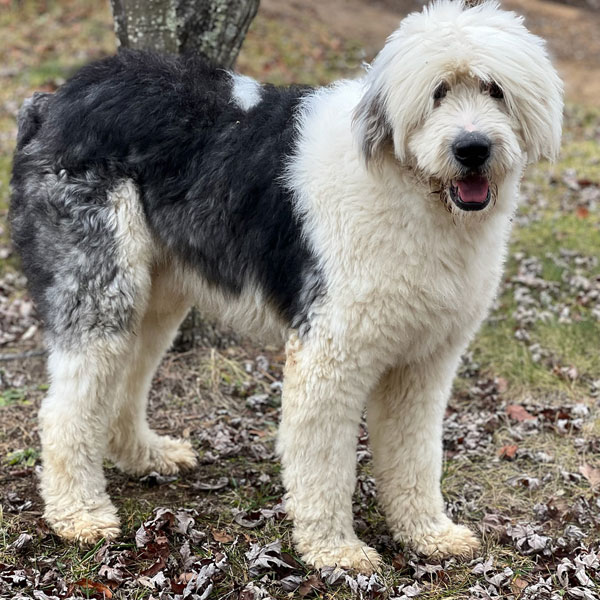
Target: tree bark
(215, 29)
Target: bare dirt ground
(573, 33)
(522, 435)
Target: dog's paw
(358, 557)
(453, 540)
(162, 454)
(170, 456)
(85, 525)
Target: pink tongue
(473, 188)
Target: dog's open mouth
(470, 193)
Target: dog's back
(206, 159)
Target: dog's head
(464, 96)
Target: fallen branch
(21, 355)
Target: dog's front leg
(405, 415)
(323, 399)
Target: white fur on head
(449, 37)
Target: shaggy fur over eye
(364, 223)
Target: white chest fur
(397, 268)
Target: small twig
(268, 375)
(21, 355)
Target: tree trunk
(214, 29)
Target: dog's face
(465, 98)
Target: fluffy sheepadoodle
(365, 223)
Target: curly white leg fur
(437, 538)
(323, 398)
(74, 430)
(85, 523)
(134, 447)
(152, 452)
(357, 556)
(451, 540)
(405, 426)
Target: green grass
(53, 70)
(11, 395)
(559, 231)
(582, 155)
(290, 52)
(5, 167)
(25, 458)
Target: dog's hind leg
(74, 423)
(405, 415)
(324, 393)
(133, 446)
(100, 252)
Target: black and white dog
(365, 222)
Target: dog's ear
(542, 134)
(541, 119)
(537, 102)
(371, 125)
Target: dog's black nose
(471, 149)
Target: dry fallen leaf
(508, 452)
(249, 519)
(312, 584)
(518, 413)
(591, 474)
(399, 561)
(501, 385)
(222, 536)
(87, 585)
(155, 568)
(533, 483)
(258, 432)
(517, 586)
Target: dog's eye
(440, 92)
(494, 90)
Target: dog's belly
(248, 312)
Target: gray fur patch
(72, 257)
(374, 131)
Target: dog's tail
(31, 116)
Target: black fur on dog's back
(209, 172)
